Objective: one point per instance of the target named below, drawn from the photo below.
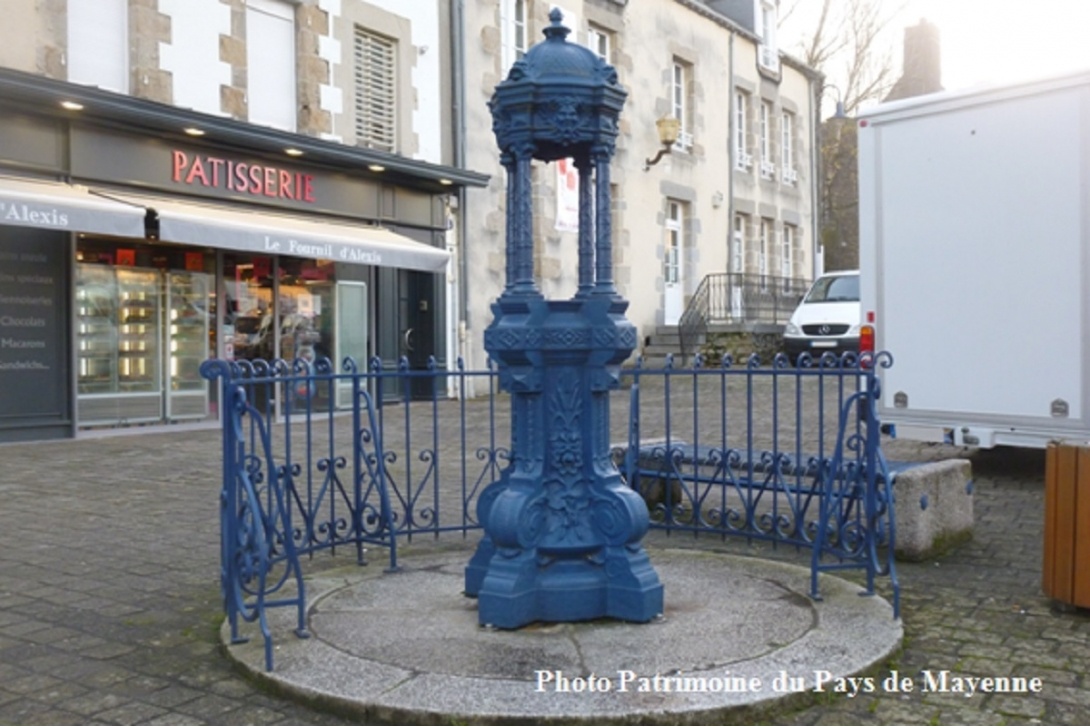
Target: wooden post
(1066, 568)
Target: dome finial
(556, 31)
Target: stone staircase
(663, 341)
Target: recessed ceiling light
(194, 131)
(293, 152)
(72, 105)
(445, 182)
(376, 167)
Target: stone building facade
(737, 192)
(239, 179)
(393, 94)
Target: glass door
(352, 322)
(187, 340)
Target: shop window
(249, 329)
(306, 309)
(144, 324)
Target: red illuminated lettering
(179, 164)
(195, 171)
(254, 179)
(240, 176)
(217, 165)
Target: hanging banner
(567, 196)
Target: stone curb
(347, 664)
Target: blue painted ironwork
(316, 476)
(808, 473)
(313, 462)
(562, 531)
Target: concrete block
(934, 508)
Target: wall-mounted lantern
(668, 128)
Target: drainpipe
(457, 22)
(817, 204)
(730, 174)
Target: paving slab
(738, 638)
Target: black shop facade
(131, 250)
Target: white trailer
(974, 214)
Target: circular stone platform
(739, 635)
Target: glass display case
(187, 332)
(96, 329)
(138, 331)
(118, 379)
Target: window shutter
(376, 91)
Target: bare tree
(849, 43)
(846, 40)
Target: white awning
(274, 234)
(59, 206)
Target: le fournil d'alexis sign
(259, 180)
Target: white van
(827, 319)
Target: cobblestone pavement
(979, 611)
(109, 603)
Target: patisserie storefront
(131, 250)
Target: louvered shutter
(376, 91)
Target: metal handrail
(738, 298)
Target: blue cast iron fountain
(563, 531)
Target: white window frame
(768, 55)
(514, 32)
(738, 244)
(675, 233)
(681, 82)
(376, 110)
(762, 252)
(787, 148)
(743, 160)
(768, 167)
(787, 257)
(600, 41)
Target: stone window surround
(396, 28)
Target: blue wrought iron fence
(785, 454)
(315, 459)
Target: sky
(987, 42)
(996, 41)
